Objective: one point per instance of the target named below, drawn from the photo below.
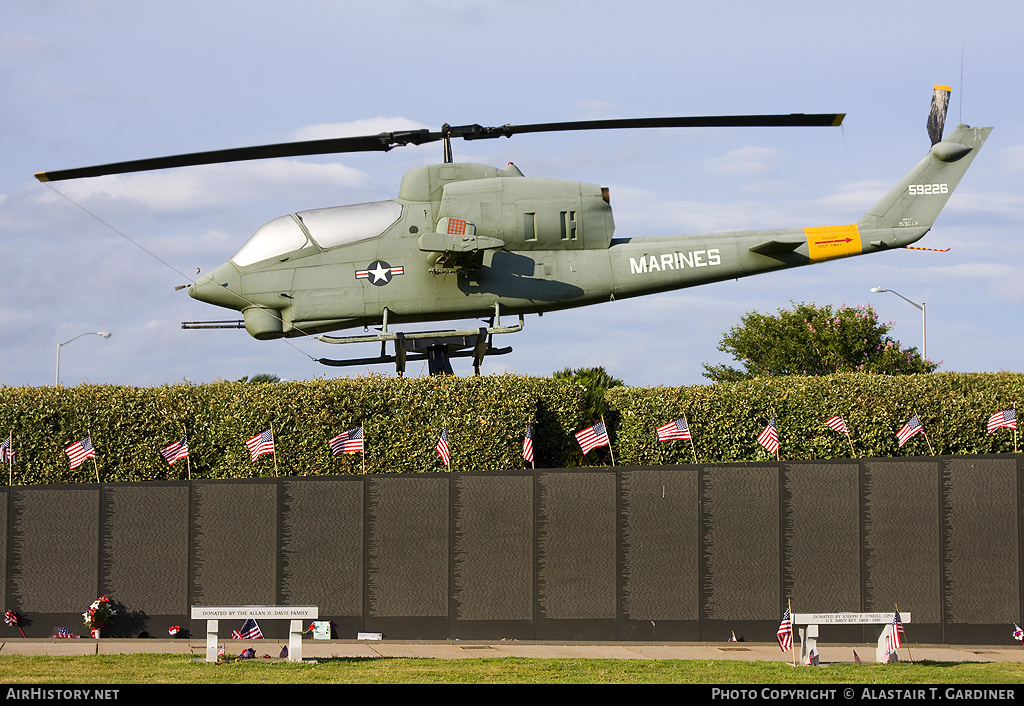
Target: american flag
(674, 430)
(262, 443)
(909, 429)
(79, 451)
(1007, 418)
(176, 451)
(528, 444)
(785, 632)
(348, 442)
(592, 437)
(442, 446)
(1018, 634)
(837, 424)
(769, 438)
(250, 631)
(6, 452)
(896, 636)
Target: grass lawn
(180, 669)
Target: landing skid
(436, 347)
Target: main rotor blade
(476, 132)
(387, 140)
(366, 143)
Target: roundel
(379, 273)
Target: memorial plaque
(54, 549)
(493, 547)
(144, 547)
(982, 571)
(821, 537)
(660, 547)
(576, 540)
(234, 539)
(901, 537)
(322, 544)
(407, 555)
(741, 542)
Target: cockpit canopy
(324, 228)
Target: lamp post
(921, 307)
(102, 334)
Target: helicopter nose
(219, 287)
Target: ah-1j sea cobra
(472, 241)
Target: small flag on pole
(1006, 419)
(912, 427)
(176, 451)
(442, 447)
(250, 631)
(769, 438)
(348, 442)
(528, 444)
(785, 632)
(592, 437)
(896, 636)
(676, 430)
(836, 423)
(6, 452)
(79, 451)
(262, 443)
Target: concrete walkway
(325, 649)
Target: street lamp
(102, 334)
(921, 306)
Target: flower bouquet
(99, 615)
(11, 618)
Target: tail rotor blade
(937, 114)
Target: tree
(814, 340)
(260, 378)
(596, 381)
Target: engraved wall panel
(660, 547)
(493, 547)
(576, 545)
(407, 555)
(145, 547)
(741, 542)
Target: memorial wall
(673, 553)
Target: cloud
(745, 161)
(357, 128)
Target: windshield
(331, 227)
(278, 237)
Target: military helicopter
(472, 241)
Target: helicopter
(464, 241)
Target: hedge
(725, 419)
(401, 418)
(486, 417)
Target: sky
(86, 82)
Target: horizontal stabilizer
(776, 247)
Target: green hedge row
(402, 420)
(726, 419)
(486, 417)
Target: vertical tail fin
(916, 201)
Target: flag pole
(362, 459)
(188, 459)
(95, 466)
(275, 446)
(792, 625)
(10, 458)
(612, 453)
(909, 654)
(692, 447)
(925, 434)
